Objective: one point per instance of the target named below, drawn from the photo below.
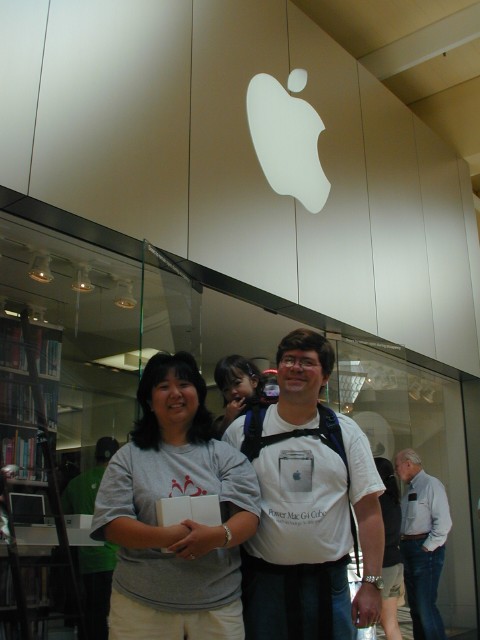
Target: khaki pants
(131, 620)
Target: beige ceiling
(427, 52)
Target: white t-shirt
(305, 511)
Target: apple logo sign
(297, 475)
(285, 132)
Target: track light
(124, 295)
(81, 279)
(40, 268)
(414, 390)
(428, 394)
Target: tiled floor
(407, 634)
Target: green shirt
(79, 497)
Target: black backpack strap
(332, 431)
(252, 429)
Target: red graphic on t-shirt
(188, 489)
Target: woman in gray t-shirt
(180, 580)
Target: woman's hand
(200, 540)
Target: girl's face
(174, 402)
(242, 386)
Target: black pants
(98, 589)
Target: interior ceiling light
(40, 268)
(124, 295)
(129, 361)
(414, 390)
(81, 279)
(37, 313)
(428, 394)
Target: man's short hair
(410, 455)
(105, 448)
(308, 340)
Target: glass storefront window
(109, 313)
(171, 307)
(137, 307)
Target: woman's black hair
(147, 434)
(229, 367)
(387, 474)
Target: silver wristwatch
(377, 581)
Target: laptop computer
(27, 508)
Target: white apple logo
(285, 132)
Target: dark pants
(298, 602)
(98, 589)
(422, 570)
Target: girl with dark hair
(241, 384)
(183, 580)
(392, 568)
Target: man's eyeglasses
(303, 363)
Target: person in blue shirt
(426, 523)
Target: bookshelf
(18, 411)
(30, 357)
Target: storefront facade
(130, 122)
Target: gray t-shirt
(134, 480)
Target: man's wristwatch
(377, 581)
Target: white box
(206, 510)
(201, 509)
(79, 521)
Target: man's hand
(366, 606)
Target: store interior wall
(171, 147)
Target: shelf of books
(21, 458)
(18, 413)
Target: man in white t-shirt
(295, 567)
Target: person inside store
(295, 567)
(392, 566)
(95, 563)
(240, 383)
(426, 523)
(182, 580)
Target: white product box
(79, 521)
(201, 509)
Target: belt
(414, 536)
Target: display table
(46, 536)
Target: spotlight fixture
(40, 268)
(81, 279)
(428, 394)
(414, 390)
(124, 295)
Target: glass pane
(88, 299)
(370, 385)
(171, 307)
